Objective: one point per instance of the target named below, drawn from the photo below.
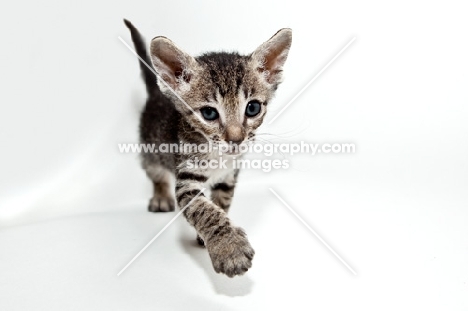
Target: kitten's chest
(224, 167)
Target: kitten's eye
(253, 108)
(209, 113)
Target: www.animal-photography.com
(241, 155)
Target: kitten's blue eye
(209, 113)
(253, 108)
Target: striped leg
(229, 249)
(221, 195)
(222, 192)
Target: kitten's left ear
(270, 57)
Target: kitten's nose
(234, 134)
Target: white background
(73, 209)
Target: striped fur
(223, 81)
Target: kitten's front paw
(231, 252)
(161, 204)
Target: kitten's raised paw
(161, 204)
(231, 252)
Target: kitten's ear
(270, 57)
(173, 65)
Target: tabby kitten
(226, 97)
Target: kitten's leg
(229, 249)
(163, 199)
(222, 193)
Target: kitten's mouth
(232, 149)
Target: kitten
(225, 98)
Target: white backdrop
(73, 209)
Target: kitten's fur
(226, 82)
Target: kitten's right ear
(173, 65)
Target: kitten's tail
(140, 47)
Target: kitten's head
(225, 95)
